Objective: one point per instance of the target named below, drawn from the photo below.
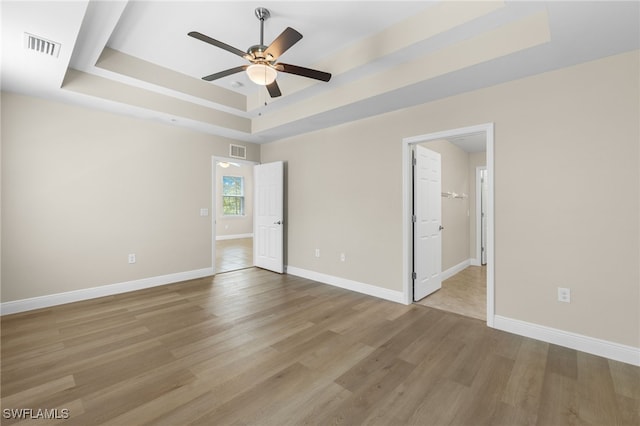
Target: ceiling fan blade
(305, 72)
(225, 73)
(274, 90)
(283, 42)
(219, 44)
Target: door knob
(440, 228)
(278, 222)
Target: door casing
(476, 260)
(407, 209)
(482, 215)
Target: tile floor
(232, 255)
(464, 293)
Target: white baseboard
(101, 291)
(475, 262)
(455, 269)
(604, 348)
(233, 237)
(371, 290)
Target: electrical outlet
(564, 295)
(132, 258)
(317, 252)
(343, 257)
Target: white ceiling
(135, 57)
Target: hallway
(235, 254)
(464, 293)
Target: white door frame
(477, 259)
(214, 198)
(407, 209)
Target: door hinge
(414, 275)
(414, 219)
(414, 161)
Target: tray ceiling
(135, 57)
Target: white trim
(592, 345)
(371, 290)
(475, 262)
(100, 291)
(214, 212)
(490, 229)
(233, 237)
(407, 221)
(407, 202)
(478, 249)
(455, 269)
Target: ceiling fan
(263, 68)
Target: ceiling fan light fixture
(261, 74)
(264, 67)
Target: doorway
(232, 207)
(486, 130)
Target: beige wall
(241, 225)
(455, 211)
(566, 194)
(83, 188)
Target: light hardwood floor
(253, 347)
(235, 254)
(465, 293)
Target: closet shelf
(449, 194)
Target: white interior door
(268, 227)
(427, 236)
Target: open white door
(427, 238)
(268, 216)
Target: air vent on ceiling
(237, 151)
(39, 44)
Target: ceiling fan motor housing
(258, 55)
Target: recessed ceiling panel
(326, 27)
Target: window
(232, 196)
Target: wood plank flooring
(253, 347)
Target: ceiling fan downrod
(262, 14)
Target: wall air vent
(41, 45)
(237, 151)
